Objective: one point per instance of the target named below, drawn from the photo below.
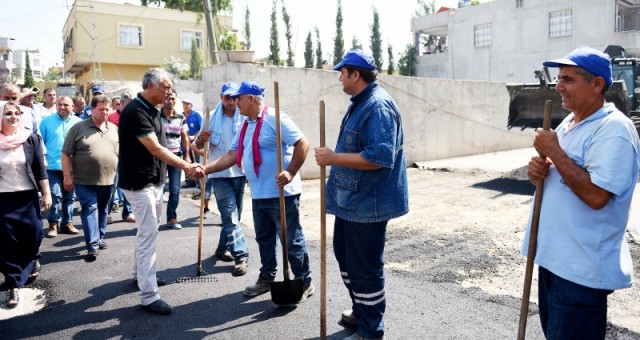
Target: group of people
(589, 168)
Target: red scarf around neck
(257, 159)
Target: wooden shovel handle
(283, 215)
(533, 237)
(203, 183)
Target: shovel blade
(287, 292)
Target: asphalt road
(98, 300)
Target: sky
(37, 24)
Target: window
(130, 35)
(482, 35)
(560, 23)
(187, 37)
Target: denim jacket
(372, 127)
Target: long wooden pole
(533, 237)
(323, 235)
(203, 186)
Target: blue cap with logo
(228, 88)
(97, 89)
(592, 60)
(249, 87)
(358, 58)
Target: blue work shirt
(53, 131)
(372, 128)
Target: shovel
(533, 237)
(289, 292)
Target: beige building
(119, 42)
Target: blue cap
(228, 88)
(358, 58)
(249, 87)
(97, 89)
(592, 60)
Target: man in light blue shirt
(254, 147)
(228, 185)
(54, 129)
(589, 173)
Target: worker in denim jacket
(367, 187)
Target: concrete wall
(441, 118)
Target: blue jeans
(229, 197)
(174, 191)
(569, 310)
(208, 188)
(266, 220)
(95, 201)
(62, 201)
(118, 196)
(359, 250)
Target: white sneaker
(173, 224)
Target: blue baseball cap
(97, 89)
(249, 87)
(592, 60)
(228, 88)
(358, 58)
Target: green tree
(274, 45)
(247, 28)
(195, 66)
(176, 67)
(318, 50)
(426, 8)
(288, 35)
(54, 73)
(308, 52)
(391, 67)
(376, 40)
(338, 42)
(28, 73)
(355, 43)
(406, 63)
(191, 5)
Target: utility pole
(210, 32)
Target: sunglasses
(9, 98)
(12, 113)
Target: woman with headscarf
(22, 175)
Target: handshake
(194, 171)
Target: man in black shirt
(142, 166)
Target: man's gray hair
(259, 99)
(154, 76)
(10, 87)
(126, 95)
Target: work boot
(224, 255)
(260, 287)
(53, 230)
(173, 224)
(240, 268)
(349, 319)
(70, 229)
(308, 291)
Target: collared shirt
(137, 167)
(94, 152)
(53, 130)
(372, 128)
(576, 242)
(264, 186)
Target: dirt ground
(467, 227)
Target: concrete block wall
(441, 118)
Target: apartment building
(6, 58)
(119, 42)
(507, 40)
(20, 64)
